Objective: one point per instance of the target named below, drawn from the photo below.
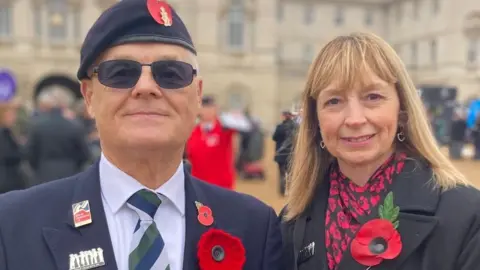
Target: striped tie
(147, 248)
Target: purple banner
(8, 85)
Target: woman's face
(358, 125)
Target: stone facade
(256, 53)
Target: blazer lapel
(88, 245)
(418, 199)
(312, 232)
(194, 230)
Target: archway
(238, 97)
(60, 80)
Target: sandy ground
(267, 190)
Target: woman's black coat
(439, 230)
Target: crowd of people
(56, 140)
(59, 139)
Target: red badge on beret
(160, 11)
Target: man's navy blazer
(37, 229)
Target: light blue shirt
(117, 187)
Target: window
(472, 51)
(236, 25)
(339, 16)
(398, 12)
(279, 56)
(37, 21)
(57, 20)
(308, 13)
(280, 11)
(414, 54)
(308, 53)
(433, 52)
(415, 9)
(5, 21)
(77, 24)
(435, 6)
(236, 101)
(368, 16)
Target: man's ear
(86, 87)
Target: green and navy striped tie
(148, 248)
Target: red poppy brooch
(378, 239)
(218, 250)
(205, 215)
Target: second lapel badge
(205, 215)
(87, 259)
(306, 253)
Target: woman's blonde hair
(346, 58)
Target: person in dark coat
(457, 135)
(476, 138)
(11, 176)
(56, 147)
(369, 186)
(283, 138)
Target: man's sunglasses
(124, 74)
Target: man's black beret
(132, 21)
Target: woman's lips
(358, 141)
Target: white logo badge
(88, 259)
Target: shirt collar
(117, 186)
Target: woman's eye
(373, 96)
(332, 101)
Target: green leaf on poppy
(396, 212)
(395, 224)
(388, 210)
(389, 201)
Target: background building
(256, 53)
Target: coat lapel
(417, 198)
(194, 230)
(87, 245)
(313, 232)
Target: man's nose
(146, 85)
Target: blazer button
(218, 253)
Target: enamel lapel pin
(306, 253)
(81, 213)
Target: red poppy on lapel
(218, 250)
(205, 215)
(378, 239)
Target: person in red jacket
(210, 147)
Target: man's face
(208, 113)
(146, 114)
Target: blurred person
(457, 134)
(84, 117)
(369, 187)
(137, 208)
(283, 137)
(56, 146)
(11, 176)
(22, 122)
(91, 133)
(251, 150)
(210, 148)
(476, 138)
